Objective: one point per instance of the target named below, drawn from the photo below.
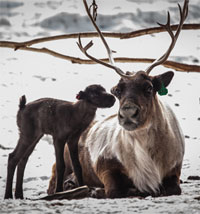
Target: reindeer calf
(64, 120)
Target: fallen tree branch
(169, 64)
(78, 193)
(128, 35)
(89, 192)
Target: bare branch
(169, 64)
(13, 45)
(129, 35)
(154, 30)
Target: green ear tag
(163, 90)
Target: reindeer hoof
(69, 184)
(97, 193)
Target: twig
(169, 64)
(106, 34)
(158, 30)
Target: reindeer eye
(148, 89)
(118, 92)
(95, 95)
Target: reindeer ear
(80, 95)
(162, 80)
(113, 89)
(116, 91)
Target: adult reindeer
(142, 146)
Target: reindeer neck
(85, 108)
(159, 112)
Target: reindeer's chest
(141, 167)
(138, 163)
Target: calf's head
(97, 95)
(137, 97)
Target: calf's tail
(22, 102)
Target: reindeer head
(137, 91)
(97, 95)
(136, 96)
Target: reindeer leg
(12, 163)
(52, 183)
(115, 182)
(21, 167)
(171, 186)
(60, 164)
(73, 149)
(70, 183)
(13, 160)
(171, 183)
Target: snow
(40, 75)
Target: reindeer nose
(126, 107)
(135, 114)
(129, 111)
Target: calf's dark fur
(64, 120)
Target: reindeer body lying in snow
(143, 144)
(64, 120)
(141, 147)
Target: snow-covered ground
(40, 75)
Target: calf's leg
(13, 160)
(60, 164)
(73, 149)
(21, 167)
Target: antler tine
(164, 57)
(84, 50)
(109, 51)
(90, 44)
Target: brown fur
(65, 121)
(52, 182)
(145, 152)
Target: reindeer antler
(164, 57)
(109, 51)
(159, 61)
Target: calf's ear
(162, 79)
